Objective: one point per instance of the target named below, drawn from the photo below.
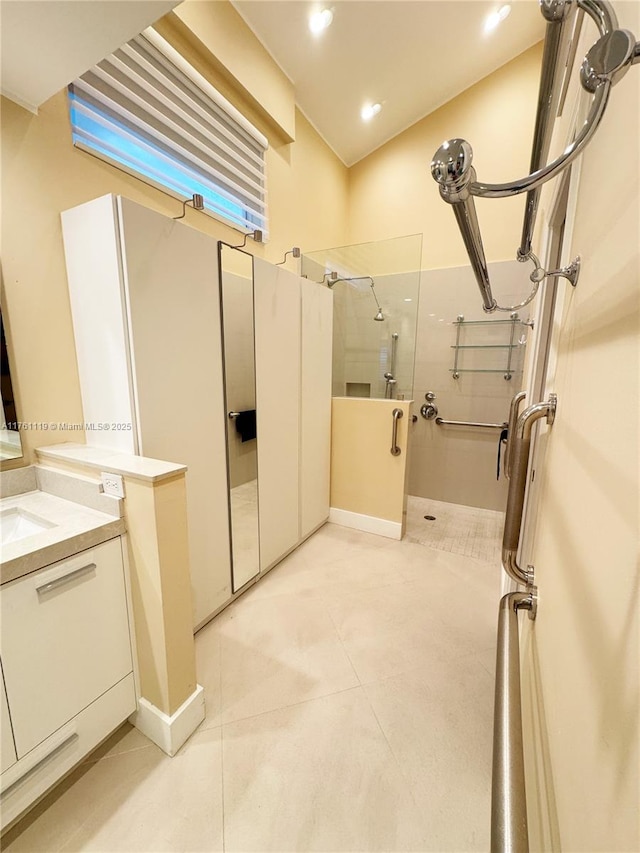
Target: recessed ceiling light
(496, 18)
(370, 110)
(319, 21)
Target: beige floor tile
(365, 567)
(438, 721)
(390, 630)
(125, 739)
(140, 800)
(208, 672)
(306, 764)
(318, 776)
(277, 652)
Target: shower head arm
(374, 295)
(333, 281)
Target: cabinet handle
(29, 771)
(396, 415)
(66, 578)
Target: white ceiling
(411, 56)
(46, 44)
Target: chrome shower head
(379, 316)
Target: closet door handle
(396, 415)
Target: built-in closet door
(98, 308)
(277, 331)
(172, 285)
(315, 404)
(146, 317)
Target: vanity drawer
(65, 640)
(37, 772)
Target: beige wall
(42, 175)
(581, 662)
(392, 192)
(241, 58)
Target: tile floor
(349, 708)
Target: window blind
(144, 109)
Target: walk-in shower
(372, 359)
(332, 279)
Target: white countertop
(76, 528)
(136, 467)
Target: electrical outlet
(112, 484)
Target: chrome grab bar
(442, 422)
(514, 410)
(605, 64)
(396, 414)
(521, 445)
(508, 794)
(509, 833)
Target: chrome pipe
(517, 487)
(509, 831)
(557, 15)
(452, 170)
(394, 353)
(602, 13)
(514, 410)
(605, 64)
(573, 150)
(467, 219)
(442, 422)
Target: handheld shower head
(379, 316)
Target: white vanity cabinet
(7, 746)
(67, 666)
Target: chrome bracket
(530, 601)
(553, 405)
(571, 272)
(295, 253)
(256, 236)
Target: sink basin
(17, 524)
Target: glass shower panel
(375, 289)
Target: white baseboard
(367, 523)
(169, 733)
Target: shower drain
(430, 517)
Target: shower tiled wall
(457, 464)
(362, 345)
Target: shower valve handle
(428, 411)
